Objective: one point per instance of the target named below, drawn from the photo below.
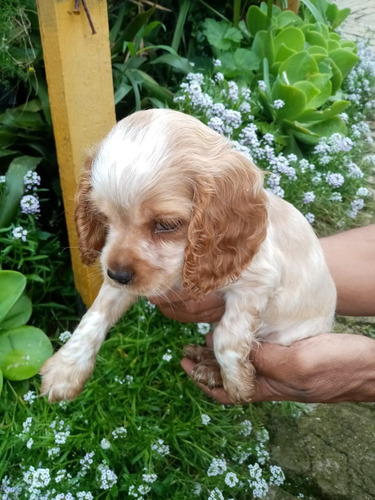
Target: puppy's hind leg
(65, 373)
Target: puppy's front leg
(65, 373)
(233, 338)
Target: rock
(327, 453)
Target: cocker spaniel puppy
(165, 201)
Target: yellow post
(79, 77)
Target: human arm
(328, 368)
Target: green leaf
(337, 78)
(221, 35)
(313, 115)
(311, 134)
(256, 20)
(122, 91)
(316, 38)
(283, 53)
(310, 90)
(240, 63)
(263, 46)
(336, 16)
(344, 59)
(1, 382)
(322, 81)
(319, 16)
(294, 100)
(23, 351)
(18, 315)
(285, 18)
(291, 37)
(299, 66)
(12, 285)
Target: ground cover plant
(141, 429)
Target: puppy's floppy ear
(228, 224)
(90, 224)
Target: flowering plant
(139, 430)
(328, 184)
(301, 64)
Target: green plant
(304, 65)
(296, 65)
(23, 349)
(140, 429)
(135, 59)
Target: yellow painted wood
(79, 77)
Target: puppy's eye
(165, 226)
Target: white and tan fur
(164, 201)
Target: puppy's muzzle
(123, 277)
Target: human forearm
(351, 260)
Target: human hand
(178, 305)
(328, 368)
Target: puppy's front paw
(240, 383)
(63, 380)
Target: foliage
(138, 429)
(135, 59)
(17, 52)
(23, 349)
(327, 185)
(301, 62)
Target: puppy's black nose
(123, 277)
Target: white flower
(336, 197)
(19, 233)
(278, 104)
(29, 443)
(161, 448)
(308, 197)
(53, 451)
(217, 467)
(149, 478)
(30, 397)
(105, 444)
(31, 180)
(107, 477)
(245, 428)
(216, 494)
(3, 179)
(167, 356)
(262, 85)
(119, 432)
(231, 479)
(310, 217)
(334, 179)
(363, 191)
(277, 475)
(64, 336)
(203, 328)
(205, 419)
(30, 204)
(37, 478)
(85, 495)
(27, 425)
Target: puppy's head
(165, 201)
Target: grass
(146, 429)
